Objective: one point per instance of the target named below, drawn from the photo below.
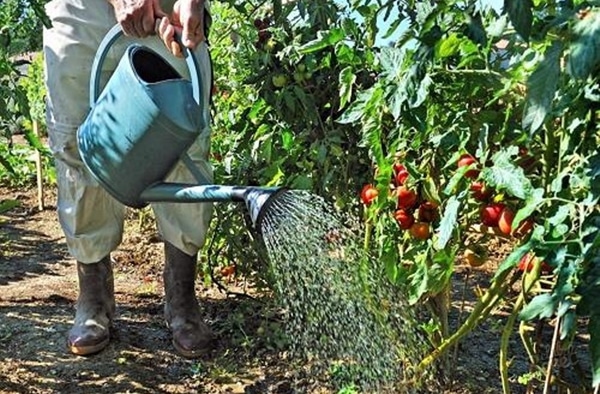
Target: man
(91, 219)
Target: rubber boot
(95, 308)
(191, 336)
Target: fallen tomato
(420, 230)
(406, 197)
(474, 258)
(368, 194)
(404, 218)
(228, 270)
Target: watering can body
(138, 128)
(142, 124)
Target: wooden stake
(38, 168)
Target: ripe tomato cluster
(492, 213)
(412, 212)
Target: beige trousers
(91, 219)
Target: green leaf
(594, 331)
(505, 175)
(512, 259)
(541, 87)
(541, 306)
(7, 205)
(448, 46)
(346, 81)
(585, 49)
(324, 39)
(521, 16)
(448, 222)
(531, 204)
(357, 109)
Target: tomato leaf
(585, 49)
(512, 259)
(541, 306)
(531, 204)
(541, 87)
(448, 46)
(448, 222)
(324, 39)
(505, 175)
(346, 80)
(521, 16)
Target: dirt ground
(38, 291)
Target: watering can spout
(258, 200)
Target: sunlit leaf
(346, 80)
(448, 222)
(448, 46)
(324, 39)
(541, 306)
(506, 175)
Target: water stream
(340, 310)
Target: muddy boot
(95, 308)
(191, 336)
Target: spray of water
(340, 310)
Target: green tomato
(279, 80)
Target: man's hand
(187, 20)
(137, 17)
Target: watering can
(143, 123)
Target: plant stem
(482, 309)
(551, 357)
(504, 343)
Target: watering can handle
(109, 39)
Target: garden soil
(38, 289)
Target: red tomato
(228, 270)
(480, 191)
(406, 197)
(368, 194)
(490, 214)
(427, 211)
(420, 230)
(404, 218)
(466, 160)
(505, 221)
(527, 262)
(400, 174)
(524, 228)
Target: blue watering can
(142, 123)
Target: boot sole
(189, 353)
(89, 349)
